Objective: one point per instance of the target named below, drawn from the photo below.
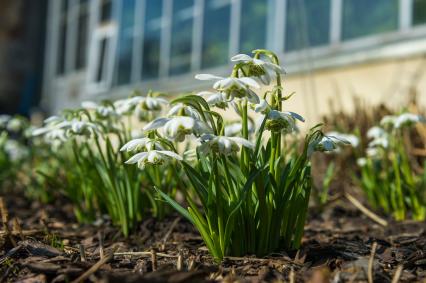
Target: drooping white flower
(282, 121)
(361, 161)
(388, 120)
(15, 150)
(326, 144)
(181, 109)
(152, 157)
(222, 145)
(145, 144)
(15, 124)
(379, 137)
(148, 103)
(261, 107)
(176, 128)
(408, 119)
(376, 132)
(379, 142)
(78, 127)
(252, 67)
(351, 139)
(4, 119)
(233, 87)
(103, 111)
(217, 99)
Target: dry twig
(366, 211)
(397, 274)
(371, 263)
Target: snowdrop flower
(177, 128)
(103, 111)
(152, 157)
(145, 144)
(361, 161)
(222, 145)
(326, 144)
(351, 139)
(148, 103)
(124, 106)
(373, 152)
(4, 119)
(77, 127)
(379, 137)
(380, 142)
(181, 109)
(282, 121)
(15, 125)
(376, 132)
(264, 70)
(261, 107)
(233, 87)
(217, 99)
(15, 151)
(408, 119)
(388, 120)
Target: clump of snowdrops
(248, 193)
(87, 141)
(13, 147)
(387, 175)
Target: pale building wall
(388, 81)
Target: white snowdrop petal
(207, 77)
(136, 158)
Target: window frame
(101, 31)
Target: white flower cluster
(183, 120)
(381, 136)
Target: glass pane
(83, 23)
(180, 61)
(106, 10)
(62, 38)
(152, 36)
(125, 42)
(308, 23)
(217, 18)
(100, 72)
(419, 12)
(253, 25)
(366, 17)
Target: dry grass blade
(371, 263)
(94, 268)
(169, 232)
(366, 211)
(146, 254)
(397, 274)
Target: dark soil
(47, 245)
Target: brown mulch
(46, 245)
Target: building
(331, 49)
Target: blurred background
(56, 53)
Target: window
(83, 14)
(125, 41)
(366, 17)
(253, 25)
(307, 23)
(63, 23)
(181, 44)
(106, 10)
(101, 58)
(419, 12)
(152, 37)
(217, 18)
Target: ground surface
(48, 246)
